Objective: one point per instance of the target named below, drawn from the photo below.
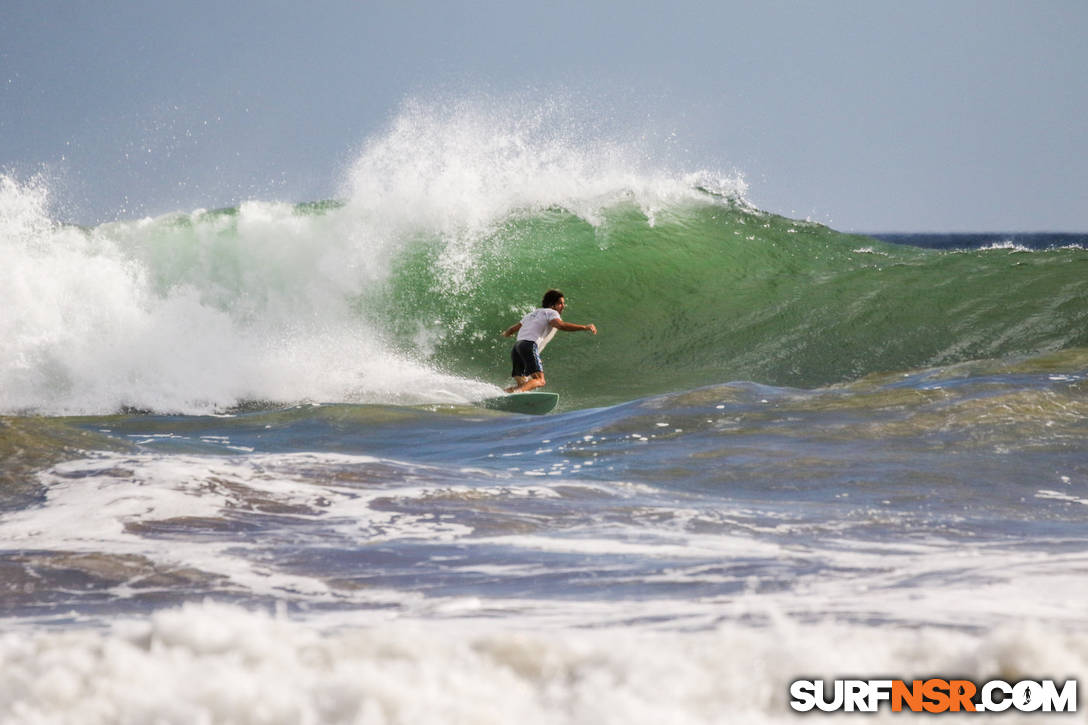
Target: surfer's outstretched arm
(511, 330)
(572, 327)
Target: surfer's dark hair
(551, 297)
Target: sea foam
(212, 663)
(193, 313)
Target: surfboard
(531, 403)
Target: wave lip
(460, 168)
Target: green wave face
(381, 299)
(712, 292)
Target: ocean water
(244, 480)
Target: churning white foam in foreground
(111, 506)
(219, 664)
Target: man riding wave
(535, 331)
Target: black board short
(526, 359)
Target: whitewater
(244, 478)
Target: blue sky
(868, 116)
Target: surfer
(535, 331)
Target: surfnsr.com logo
(934, 695)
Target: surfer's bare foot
(519, 386)
(531, 384)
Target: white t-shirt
(535, 326)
